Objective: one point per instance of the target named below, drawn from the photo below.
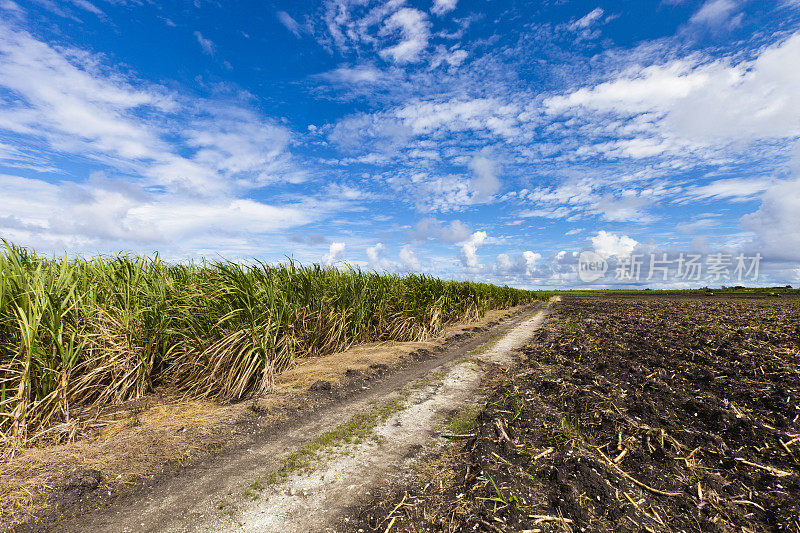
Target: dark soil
(645, 413)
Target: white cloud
(696, 225)
(655, 87)
(380, 133)
(291, 24)
(23, 157)
(469, 250)
(717, 13)
(373, 252)
(453, 57)
(610, 244)
(206, 44)
(455, 115)
(414, 30)
(434, 193)
(547, 212)
(376, 259)
(587, 20)
(352, 24)
(69, 100)
(88, 6)
(504, 263)
(622, 199)
(530, 261)
(409, 259)
(335, 252)
(701, 101)
(10, 5)
(105, 214)
(235, 143)
(625, 208)
(78, 106)
(431, 228)
(777, 220)
(191, 181)
(636, 148)
(357, 74)
(522, 264)
(729, 189)
(440, 7)
(485, 182)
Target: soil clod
(646, 413)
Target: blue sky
(479, 140)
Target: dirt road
(304, 478)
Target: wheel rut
(396, 420)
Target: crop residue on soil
(627, 414)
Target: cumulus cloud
(469, 250)
(376, 259)
(504, 263)
(609, 244)
(409, 259)
(522, 264)
(777, 221)
(334, 254)
(530, 261)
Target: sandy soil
(313, 500)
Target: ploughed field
(642, 413)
